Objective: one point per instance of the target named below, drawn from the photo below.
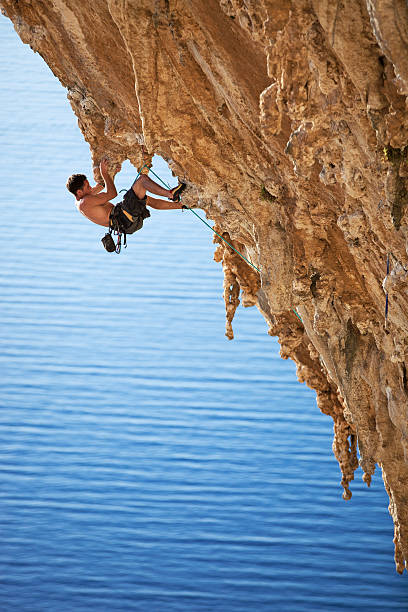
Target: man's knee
(140, 180)
(139, 186)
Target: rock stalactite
(289, 121)
(238, 277)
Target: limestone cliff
(289, 121)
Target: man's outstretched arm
(104, 196)
(109, 184)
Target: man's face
(86, 188)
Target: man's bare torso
(94, 211)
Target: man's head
(78, 184)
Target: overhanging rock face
(289, 121)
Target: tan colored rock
(289, 120)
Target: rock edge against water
(289, 121)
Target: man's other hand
(104, 167)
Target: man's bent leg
(144, 183)
(163, 204)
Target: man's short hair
(75, 182)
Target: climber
(127, 216)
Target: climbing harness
(115, 229)
(123, 222)
(109, 243)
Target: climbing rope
(208, 225)
(222, 238)
(234, 249)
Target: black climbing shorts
(135, 208)
(133, 205)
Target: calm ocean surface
(147, 463)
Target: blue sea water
(147, 463)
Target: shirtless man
(95, 204)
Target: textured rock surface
(289, 120)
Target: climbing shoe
(178, 191)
